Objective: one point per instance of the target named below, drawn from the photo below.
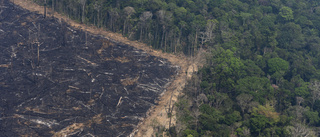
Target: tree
(144, 17)
(208, 35)
(190, 133)
(259, 88)
(312, 117)
(97, 7)
(83, 3)
(296, 112)
(217, 99)
(302, 90)
(315, 91)
(286, 13)
(277, 68)
(277, 65)
(299, 100)
(165, 18)
(45, 8)
(197, 24)
(182, 25)
(263, 117)
(210, 117)
(252, 69)
(243, 132)
(52, 7)
(232, 117)
(291, 36)
(244, 101)
(245, 17)
(300, 130)
(227, 69)
(180, 12)
(128, 11)
(258, 123)
(113, 15)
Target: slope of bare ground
(157, 116)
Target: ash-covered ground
(56, 80)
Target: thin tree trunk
(313, 101)
(162, 37)
(175, 46)
(141, 32)
(191, 47)
(156, 39)
(128, 30)
(105, 23)
(79, 13)
(165, 41)
(83, 11)
(196, 42)
(173, 41)
(52, 8)
(178, 41)
(124, 27)
(111, 21)
(98, 19)
(45, 8)
(146, 35)
(86, 38)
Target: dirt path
(156, 116)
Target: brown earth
(157, 116)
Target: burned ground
(56, 80)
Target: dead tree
(170, 109)
(315, 91)
(38, 43)
(300, 130)
(208, 34)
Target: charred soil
(57, 80)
